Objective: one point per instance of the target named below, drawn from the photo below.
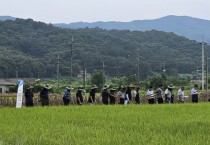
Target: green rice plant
(100, 124)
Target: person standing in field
(79, 95)
(169, 95)
(136, 95)
(159, 94)
(67, 95)
(150, 95)
(112, 97)
(181, 94)
(128, 93)
(105, 95)
(44, 95)
(29, 94)
(92, 95)
(194, 94)
(121, 95)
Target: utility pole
(103, 64)
(207, 72)
(164, 66)
(17, 73)
(84, 75)
(203, 43)
(71, 53)
(58, 67)
(138, 64)
(103, 68)
(38, 69)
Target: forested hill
(192, 28)
(31, 49)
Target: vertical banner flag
(19, 94)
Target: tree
(98, 78)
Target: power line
(58, 67)
(71, 53)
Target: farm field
(180, 124)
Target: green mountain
(29, 48)
(192, 28)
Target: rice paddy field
(172, 124)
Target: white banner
(19, 94)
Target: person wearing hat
(136, 95)
(67, 95)
(79, 95)
(169, 96)
(92, 95)
(159, 94)
(44, 95)
(105, 95)
(121, 94)
(112, 97)
(29, 94)
(194, 94)
(150, 95)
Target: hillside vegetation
(31, 48)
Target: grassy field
(180, 124)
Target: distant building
(80, 75)
(6, 84)
(196, 78)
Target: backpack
(66, 95)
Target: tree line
(31, 49)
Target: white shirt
(180, 95)
(150, 94)
(194, 91)
(121, 95)
(168, 93)
(134, 93)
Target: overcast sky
(67, 11)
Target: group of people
(123, 95)
(160, 95)
(44, 96)
(108, 95)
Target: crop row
(56, 99)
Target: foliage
(98, 79)
(135, 124)
(31, 49)
(166, 80)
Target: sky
(68, 11)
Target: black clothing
(166, 99)
(160, 100)
(66, 101)
(159, 96)
(105, 96)
(44, 97)
(195, 98)
(172, 98)
(79, 97)
(29, 98)
(137, 97)
(122, 101)
(92, 95)
(112, 98)
(151, 101)
(128, 91)
(67, 97)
